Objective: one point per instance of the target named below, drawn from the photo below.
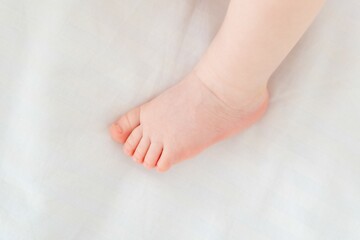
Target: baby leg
(227, 90)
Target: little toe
(164, 162)
(133, 140)
(122, 128)
(153, 155)
(141, 150)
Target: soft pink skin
(180, 123)
(227, 90)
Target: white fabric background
(68, 68)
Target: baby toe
(122, 128)
(153, 155)
(164, 162)
(141, 150)
(132, 141)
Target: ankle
(232, 93)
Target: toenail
(160, 170)
(136, 159)
(147, 165)
(118, 128)
(127, 150)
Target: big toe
(121, 129)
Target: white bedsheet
(68, 68)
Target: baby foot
(181, 122)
